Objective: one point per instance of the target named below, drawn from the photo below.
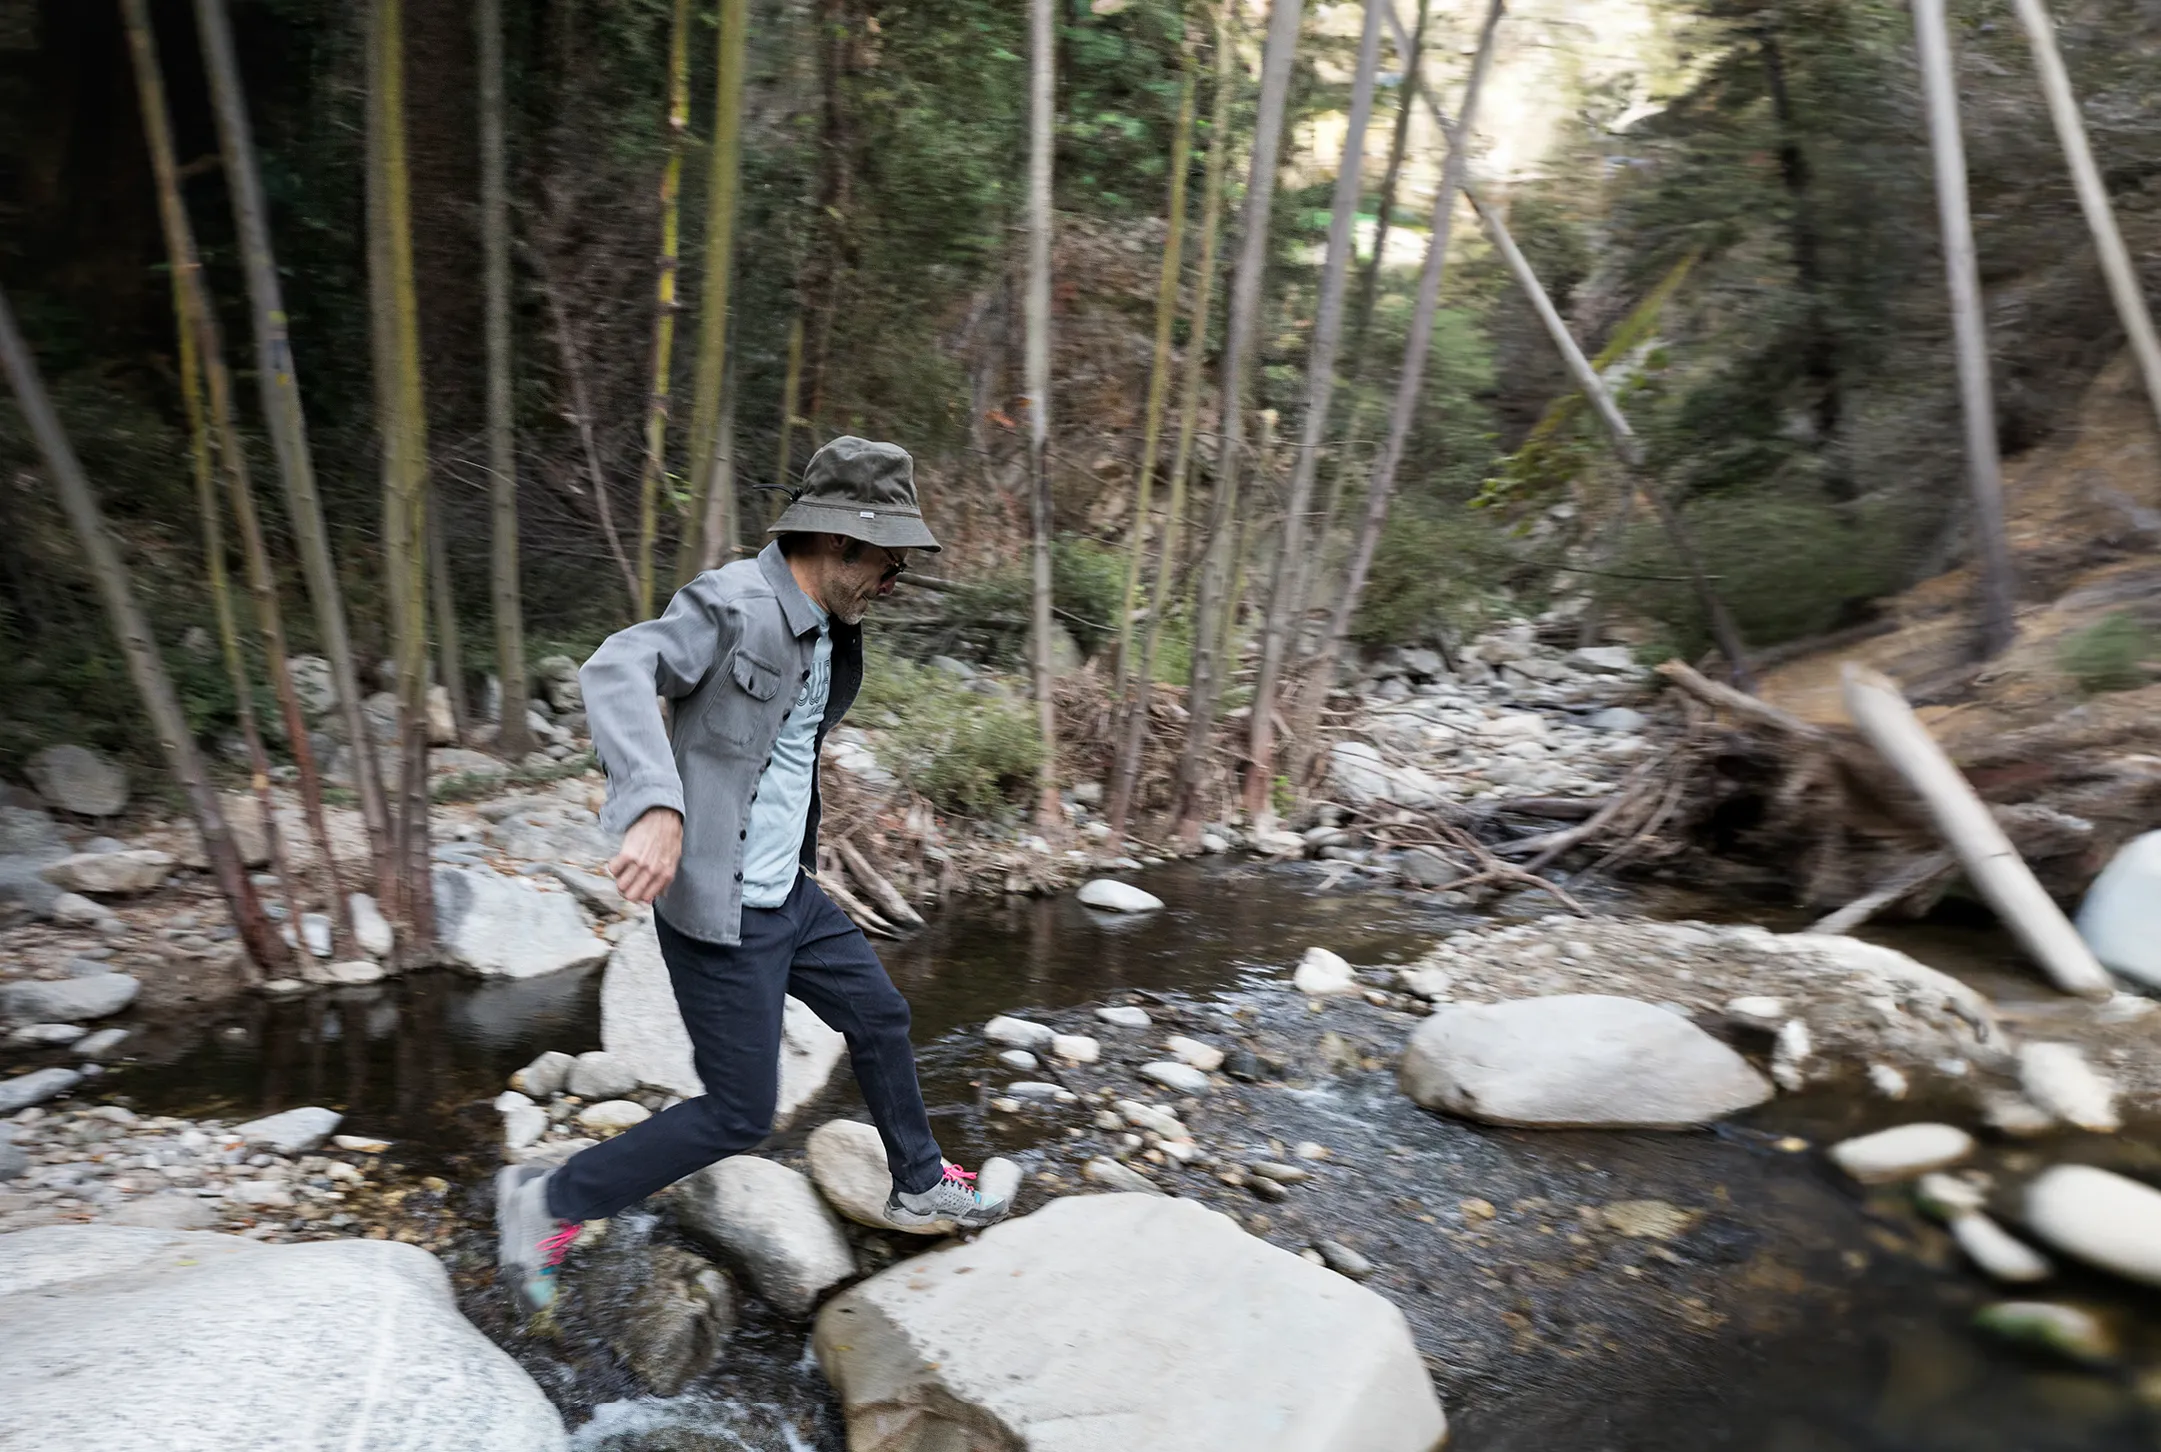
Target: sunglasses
(894, 564)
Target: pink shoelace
(556, 1246)
(958, 1175)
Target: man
(759, 660)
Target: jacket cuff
(633, 800)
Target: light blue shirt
(773, 848)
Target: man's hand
(651, 849)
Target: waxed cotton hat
(863, 490)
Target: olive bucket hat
(863, 490)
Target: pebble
(1902, 1152)
(1019, 1059)
(1323, 974)
(1997, 1251)
(2099, 1217)
(2057, 1078)
(1343, 1260)
(1124, 1016)
(1281, 1173)
(612, 1116)
(1183, 1078)
(2067, 1331)
(1205, 1057)
(1109, 1173)
(546, 1076)
(47, 1035)
(1076, 1048)
(1267, 1190)
(1018, 1033)
(101, 1043)
(1006, 1106)
(35, 1087)
(1306, 1149)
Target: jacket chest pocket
(744, 699)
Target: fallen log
(862, 914)
(1909, 879)
(1967, 826)
(875, 884)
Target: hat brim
(887, 527)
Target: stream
(1782, 1308)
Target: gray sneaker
(530, 1243)
(949, 1199)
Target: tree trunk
(1369, 277)
(791, 386)
(1625, 443)
(443, 606)
(1159, 375)
(581, 416)
(1320, 393)
(138, 645)
(405, 504)
(1380, 490)
(721, 185)
(187, 299)
(287, 423)
(723, 525)
(505, 594)
(2116, 266)
(1239, 346)
(655, 471)
(1969, 333)
(1819, 349)
(1041, 121)
(1125, 773)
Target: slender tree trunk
(506, 595)
(1369, 276)
(287, 422)
(1625, 443)
(1819, 349)
(723, 526)
(405, 511)
(1159, 374)
(1320, 393)
(1125, 774)
(1969, 333)
(188, 304)
(720, 207)
(664, 308)
(443, 605)
(2116, 266)
(791, 386)
(1041, 121)
(1239, 346)
(1411, 381)
(581, 417)
(138, 645)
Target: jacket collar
(802, 616)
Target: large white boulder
(2121, 916)
(769, 1219)
(1114, 896)
(2099, 1217)
(132, 869)
(1360, 773)
(642, 1027)
(78, 779)
(1124, 1321)
(138, 1340)
(1576, 1060)
(510, 926)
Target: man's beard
(849, 611)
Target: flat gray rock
(1177, 1077)
(1130, 1322)
(294, 1132)
(29, 843)
(769, 1220)
(509, 926)
(80, 780)
(67, 1000)
(35, 1087)
(1111, 895)
(847, 1161)
(140, 1340)
(641, 1025)
(553, 830)
(1582, 1060)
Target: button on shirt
(773, 836)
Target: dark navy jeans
(731, 1003)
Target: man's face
(852, 584)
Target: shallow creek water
(1794, 1313)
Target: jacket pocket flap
(755, 676)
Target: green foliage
(1087, 584)
(969, 753)
(1788, 566)
(1435, 569)
(2118, 653)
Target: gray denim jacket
(730, 653)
